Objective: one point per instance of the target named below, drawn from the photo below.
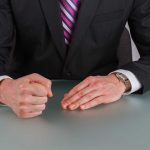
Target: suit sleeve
(6, 34)
(139, 22)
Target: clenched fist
(26, 96)
(93, 91)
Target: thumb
(41, 80)
(49, 89)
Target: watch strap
(123, 78)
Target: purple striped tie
(69, 12)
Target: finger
(38, 100)
(32, 108)
(33, 100)
(37, 108)
(41, 80)
(65, 95)
(93, 103)
(34, 89)
(77, 88)
(30, 115)
(77, 96)
(87, 98)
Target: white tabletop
(123, 125)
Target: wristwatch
(121, 77)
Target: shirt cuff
(2, 78)
(135, 83)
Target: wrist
(118, 82)
(124, 79)
(3, 83)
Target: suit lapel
(86, 13)
(52, 14)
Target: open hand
(94, 90)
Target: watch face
(122, 76)
(125, 80)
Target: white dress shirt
(4, 77)
(135, 83)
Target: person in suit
(42, 40)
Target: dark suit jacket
(33, 28)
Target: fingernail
(72, 107)
(64, 106)
(82, 107)
(51, 94)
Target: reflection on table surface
(123, 125)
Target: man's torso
(40, 46)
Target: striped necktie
(69, 12)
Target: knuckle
(89, 96)
(35, 75)
(26, 80)
(91, 78)
(21, 112)
(75, 90)
(23, 90)
(98, 84)
(25, 100)
(20, 102)
(21, 86)
(82, 93)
